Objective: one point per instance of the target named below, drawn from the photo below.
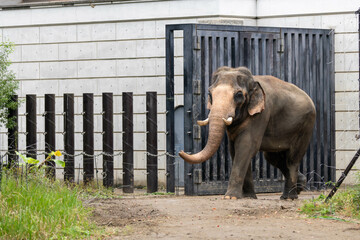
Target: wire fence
(103, 165)
(95, 163)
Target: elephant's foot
(250, 195)
(290, 194)
(233, 195)
(229, 198)
(301, 183)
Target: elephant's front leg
(248, 187)
(239, 183)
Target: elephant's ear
(257, 100)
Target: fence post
(50, 132)
(31, 125)
(69, 171)
(151, 142)
(128, 142)
(108, 143)
(88, 136)
(13, 134)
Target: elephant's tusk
(203, 123)
(228, 121)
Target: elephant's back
(281, 95)
(280, 90)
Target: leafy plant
(35, 162)
(34, 207)
(8, 86)
(344, 203)
(41, 208)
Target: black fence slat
(88, 136)
(128, 145)
(13, 136)
(312, 78)
(151, 142)
(31, 143)
(318, 107)
(188, 103)
(269, 67)
(49, 118)
(207, 79)
(220, 50)
(170, 111)
(108, 140)
(221, 161)
(69, 137)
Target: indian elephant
(259, 113)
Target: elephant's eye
(239, 97)
(210, 98)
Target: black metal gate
(301, 56)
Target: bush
(8, 85)
(343, 203)
(35, 207)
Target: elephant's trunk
(216, 134)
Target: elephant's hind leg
(290, 171)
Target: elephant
(259, 113)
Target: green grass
(33, 207)
(96, 190)
(345, 203)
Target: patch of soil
(121, 212)
(210, 217)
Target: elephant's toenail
(227, 197)
(233, 198)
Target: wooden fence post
(88, 136)
(151, 142)
(128, 142)
(31, 125)
(13, 137)
(50, 132)
(108, 141)
(69, 147)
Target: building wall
(105, 48)
(340, 16)
(121, 47)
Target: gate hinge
(280, 45)
(197, 87)
(196, 132)
(197, 43)
(197, 176)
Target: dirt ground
(210, 217)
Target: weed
(35, 207)
(344, 203)
(93, 190)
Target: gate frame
(193, 94)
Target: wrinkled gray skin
(269, 115)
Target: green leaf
(61, 163)
(22, 156)
(27, 160)
(32, 161)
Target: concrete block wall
(121, 47)
(109, 48)
(340, 16)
